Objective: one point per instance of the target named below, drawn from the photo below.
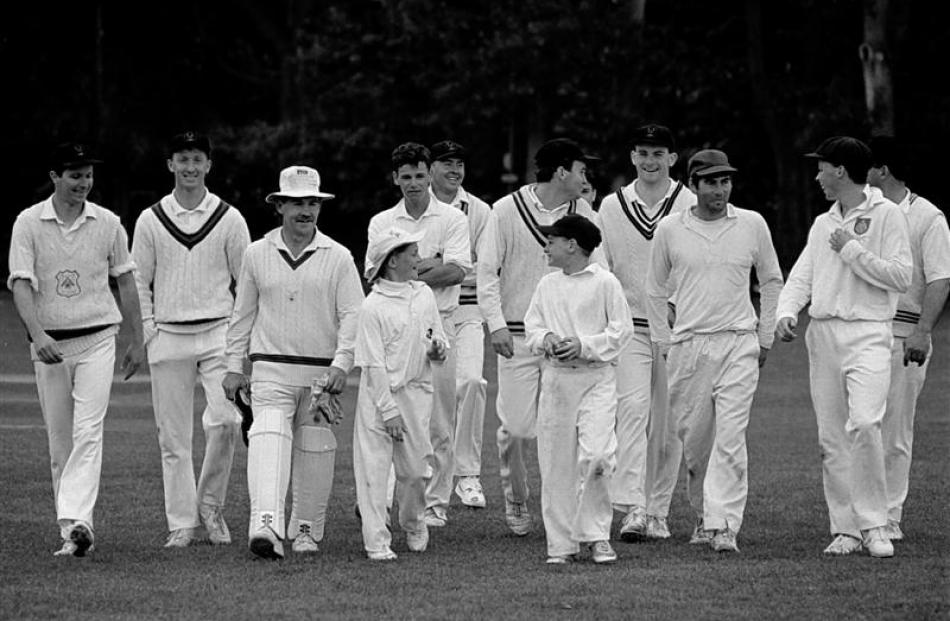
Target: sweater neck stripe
(643, 222)
(190, 240)
(295, 263)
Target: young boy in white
(62, 253)
(856, 263)
(579, 320)
(917, 313)
(448, 173)
(703, 258)
(188, 248)
(399, 331)
(649, 450)
(295, 314)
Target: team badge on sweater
(67, 284)
(861, 225)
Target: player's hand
(917, 348)
(232, 383)
(785, 329)
(550, 343)
(335, 380)
(436, 350)
(568, 349)
(428, 263)
(763, 354)
(840, 237)
(133, 359)
(47, 349)
(395, 428)
(502, 343)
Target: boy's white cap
(298, 182)
(384, 243)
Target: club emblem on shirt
(861, 225)
(67, 284)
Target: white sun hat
(298, 182)
(384, 243)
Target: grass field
(474, 568)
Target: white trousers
(849, 366)
(375, 453)
(712, 381)
(470, 388)
(442, 425)
(649, 450)
(177, 362)
(285, 443)
(576, 451)
(74, 396)
(519, 384)
(898, 426)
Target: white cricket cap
(384, 243)
(298, 182)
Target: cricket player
(188, 249)
(703, 258)
(447, 259)
(294, 317)
(918, 311)
(448, 173)
(649, 450)
(62, 252)
(578, 319)
(511, 261)
(398, 334)
(855, 265)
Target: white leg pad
(268, 469)
(311, 477)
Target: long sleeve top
(477, 213)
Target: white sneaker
(68, 549)
(843, 545)
(304, 543)
(601, 552)
(264, 542)
(657, 528)
(564, 559)
(877, 543)
(418, 542)
(633, 527)
(700, 535)
(213, 520)
(518, 517)
(435, 517)
(724, 541)
(180, 538)
(383, 555)
(469, 490)
(893, 530)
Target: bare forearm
(935, 296)
(26, 307)
(131, 309)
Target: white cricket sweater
(511, 257)
(930, 248)
(294, 315)
(186, 260)
(706, 266)
(864, 280)
(628, 228)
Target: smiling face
(413, 182)
(829, 177)
(402, 264)
(299, 215)
(448, 175)
(559, 250)
(73, 185)
(653, 162)
(190, 168)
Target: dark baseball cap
(653, 134)
(71, 155)
(843, 151)
(447, 149)
(186, 141)
(577, 227)
(709, 162)
(561, 152)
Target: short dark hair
(888, 151)
(545, 174)
(410, 153)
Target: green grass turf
(474, 567)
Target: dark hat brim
(714, 170)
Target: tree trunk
(875, 59)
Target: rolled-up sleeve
(22, 257)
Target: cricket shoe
(304, 543)
(383, 555)
(435, 517)
(601, 552)
(419, 541)
(877, 543)
(180, 538)
(560, 559)
(724, 541)
(79, 541)
(213, 520)
(264, 542)
(633, 527)
(843, 545)
(893, 530)
(700, 535)
(518, 518)
(469, 490)
(657, 528)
